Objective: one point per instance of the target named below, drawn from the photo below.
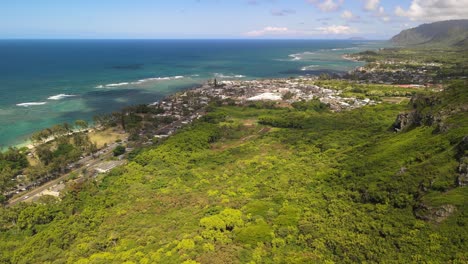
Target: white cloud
(400, 11)
(286, 32)
(434, 10)
(382, 14)
(268, 31)
(327, 5)
(385, 19)
(371, 5)
(337, 30)
(347, 14)
(381, 11)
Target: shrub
(119, 150)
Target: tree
(6, 174)
(44, 154)
(82, 124)
(58, 130)
(324, 76)
(42, 135)
(119, 150)
(66, 127)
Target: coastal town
(394, 68)
(150, 124)
(255, 131)
(165, 117)
(145, 125)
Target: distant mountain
(443, 33)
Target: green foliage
(438, 34)
(314, 105)
(12, 162)
(314, 187)
(449, 60)
(81, 124)
(214, 117)
(373, 91)
(255, 233)
(119, 150)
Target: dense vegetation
(450, 62)
(373, 91)
(56, 148)
(269, 185)
(12, 162)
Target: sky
(219, 19)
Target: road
(86, 162)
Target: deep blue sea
(45, 82)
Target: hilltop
(451, 33)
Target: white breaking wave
(111, 85)
(300, 56)
(338, 49)
(309, 68)
(295, 57)
(234, 76)
(117, 84)
(158, 79)
(31, 104)
(60, 96)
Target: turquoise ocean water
(45, 82)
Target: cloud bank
(327, 5)
(268, 31)
(434, 10)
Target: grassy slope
(233, 191)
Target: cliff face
(419, 114)
(462, 155)
(434, 110)
(443, 112)
(443, 33)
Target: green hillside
(263, 185)
(444, 33)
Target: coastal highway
(89, 161)
(86, 162)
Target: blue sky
(373, 19)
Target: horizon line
(249, 39)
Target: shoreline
(28, 143)
(349, 58)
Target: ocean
(46, 82)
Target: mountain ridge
(452, 33)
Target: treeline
(297, 118)
(58, 130)
(12, 163)
(138, 121)
(372, 91)
(56, 148)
